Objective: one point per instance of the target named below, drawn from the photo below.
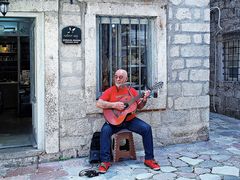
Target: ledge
(15, 153)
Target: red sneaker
(152, 164)
(104, 167)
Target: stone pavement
(216, 159)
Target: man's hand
(146, 95)
(118, 105)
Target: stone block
(51, 37)
(206, 38)
(70, 51)
(174, 118)
(71, 82)
(70, 20)
(195, 51)
(196, 27)
(178, 64)
(202, 3)
(33, 6)
(174, 51)
(190, 63)
(205, 88)
(174, 76)
(174, 89)
(67, 7)
(72, 110)
(177, 27)
(182, 39)
(199, 75)
(197, 13)
(206, 15)
(183, 75)
(75, 127)
(170, 14)
(197, 38)
(195, 116)
(69, 153)
(191, 102)
(74, 142)
(79, 67)
(192, 89)
(204, 113)
(170, 102)
(52, 138)
(206, 63)
(183, 13)
(66, 68)
(176, 2)
(74, 95)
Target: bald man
(110, 99)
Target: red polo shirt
(114, 94)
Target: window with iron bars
(231, 60)
(124, 42)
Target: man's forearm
(104, 104)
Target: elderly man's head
(120, 77)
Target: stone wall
(225, 95)
(188, 71)
(187, 110)
(182, 62)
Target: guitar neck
(135, 99)
(155, 86)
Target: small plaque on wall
(71, 35)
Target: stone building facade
(224, 58)
(65, 115)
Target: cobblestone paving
(216, 159)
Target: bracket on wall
(71, 1)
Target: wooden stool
(123, 145)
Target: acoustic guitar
(116, 117)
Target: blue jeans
(135, 125)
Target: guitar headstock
(157, 85)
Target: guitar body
(116, 117)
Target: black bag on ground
(94, 156)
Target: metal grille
(231, 61)
(124, 43)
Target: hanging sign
(71, 35)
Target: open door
(17, 83)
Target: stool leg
(116, 149)
(132, 148)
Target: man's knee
(147, 128)
(106, 129)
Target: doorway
(16, 82)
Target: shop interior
(15, 83)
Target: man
(110, 99)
